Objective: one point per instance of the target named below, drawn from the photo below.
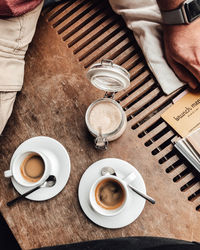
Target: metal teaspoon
(111, 171)
(50, 182)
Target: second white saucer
(135, 204)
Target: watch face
(192, 9)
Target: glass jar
(105, 118)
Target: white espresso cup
(109, 194)
(16, 169)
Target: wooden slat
(141, 103)
(161, 140)
(154, 106)
(139, 93)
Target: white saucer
(135, 204)
(61, 166)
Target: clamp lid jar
(105, 118)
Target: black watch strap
(173, 17)
(188, 11)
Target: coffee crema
(109, 194)
(32, 167)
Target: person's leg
(7, 100)
(15, 35)
(130, 243)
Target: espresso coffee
(109, 194)
(32, 168)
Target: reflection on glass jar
(105, 120)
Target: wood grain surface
(53, 103)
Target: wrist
(184, 34)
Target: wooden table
(55, 96)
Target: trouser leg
(16, 33)
(7, 100)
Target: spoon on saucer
(111, 171)
(50, 182)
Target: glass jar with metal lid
(105, 118)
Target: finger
(183, 73)
(195, 70)
(193, 65)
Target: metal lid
(108, 76)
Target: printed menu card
(184, 115)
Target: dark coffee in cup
(32, 167)
(109, 194)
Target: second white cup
(109, 195)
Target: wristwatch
(185, 14)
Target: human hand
(182, 51)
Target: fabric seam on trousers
(10, 88)
(19, 38)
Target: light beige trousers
(15, 35)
